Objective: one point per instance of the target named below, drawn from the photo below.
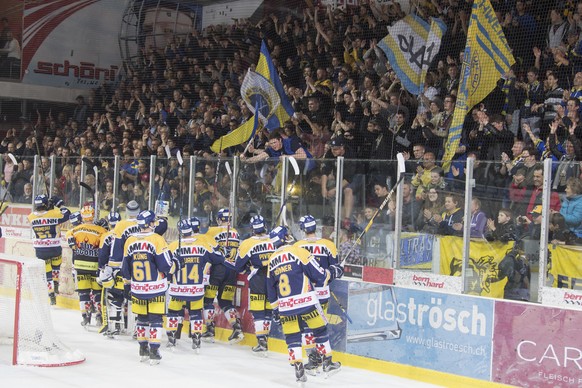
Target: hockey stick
(342, 308)
(15, 163)
(161, 206)
(230, 203)
(284, 204)
(401, 168)
(181, 163)
(94, 166)
(47, 187)
(215, 191)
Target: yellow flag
(487, 58)
(240, 135)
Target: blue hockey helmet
(301, 222)
(258, 224)
(309, 224)
(195, 223)
(223, 215)
(279, 236)
(113, 218)
(40, 201)
(75, 218)
(185, 227)
(145, 218)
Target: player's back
(122, 231)
(322, 249)
(146, 263)
(228, 239)
(197, 255)
(289, 268)
(257, 250)
(86, 239)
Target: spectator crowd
(348, 102)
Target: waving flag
(410, 46)
(242, 134)
(487, 58)
(260, 95)
(284, 110)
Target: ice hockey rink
(115, 362)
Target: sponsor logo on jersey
(141, 246)
(45, 221)
(191, 250)
(293, 302)
(147, 287)
(262, 248)
(317, 250)
(281, 259)
(184, 289)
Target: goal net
(25, 320)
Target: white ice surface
(115, 363)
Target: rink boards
(425, 334)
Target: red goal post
(25, 318)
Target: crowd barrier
(417, 324)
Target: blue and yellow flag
(284, 110)
(410, 46)
(487, 58)
(238, 136)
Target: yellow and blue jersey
(45, 225)
(255, 251)
(198, 253)
(147, 262)
(325, 252)
(122, 231)
(222, 234)
(290, 275)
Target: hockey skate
(300, 376)
(86, 320)
(98, 320)
(53, 298)
(196, 342)
(262, 347)
(237, 333)
(330, 367)
(144, 352)
(155, 356)
(171, 339)
(312, 368)
(208, 335)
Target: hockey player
(112, 281)
(84, 240)
(222, 282)
(147, 262)
(325, 253)
(255, 252)
(123, 229)
(187, 287)
(291, 272)
(45, 221)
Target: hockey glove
(335, 271)
(106, 277)
(127, 291)
(56, 201)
